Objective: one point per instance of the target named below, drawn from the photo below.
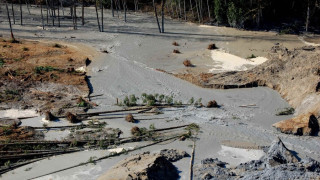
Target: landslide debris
(278, 163)
(142, 166)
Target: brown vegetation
(175, 43)
(129, 118)
(187, 63)
(72, 118)
(28, 65)
(49, 116)
(135, 131)
(16, 133)
(212, 104)
(212, 46)
(176, 51)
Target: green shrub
(40, 69)
(285, 111)
(252, 56)
(1, 62)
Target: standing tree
(20, 12)
(162, 14)
(82, 12)
(14, 19)
(112, 10)
(12, 37)
(156, 14)
(101, 6)
(95, 5)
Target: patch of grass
(92, 160)
(40, 69)
(28, 169)
(193, 127)
(285, 111)
(251, 56)
(11, 92)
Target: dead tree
(58, 16)
(47, 11)
(112, 10)
(95, 5)
(12, 37)
(156, 14)
(184, 10)
(28, 6)
(101, 6)
(162, 14)
(75, 15)
(209, 14)
(82, 12)
(41, 15)
(13, 17)
(125, 10)
(308, 16)
(191, 7)
(20, 12)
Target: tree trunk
(180, 15)
(62, 7)
(112, 10)
(82, 12)
(51, 4)
(184, 10)
(125, 10)
(12, 37)
(101, 6)
(156, 14)
(47, 11)
(95, 5)
(198, 11)
(41, 16)
(209, 9)
(28, 7)
(58, 16)
(14, 19)
(308, 16)
(20, 12)
(191, 8)
(75, 15)
(162, 14)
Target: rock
(173, 155)
(142, 166)
(214, 162)
(212, 104)
(176, 51)
(305, 124)
(278, 154)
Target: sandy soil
(136, 49)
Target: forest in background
(285, 16)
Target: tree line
(287, 16)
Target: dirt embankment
(295, 74)
(41, 76)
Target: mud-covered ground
(135, 50)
